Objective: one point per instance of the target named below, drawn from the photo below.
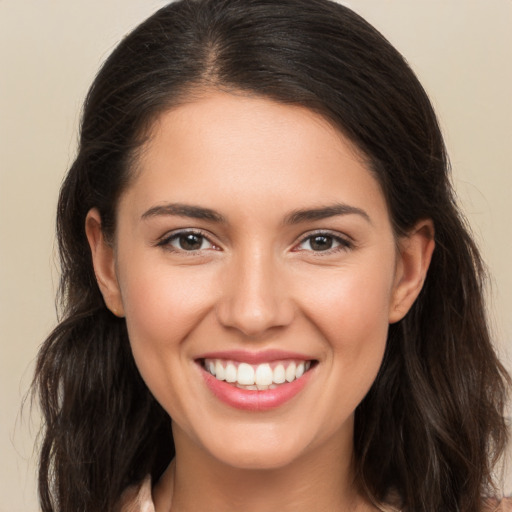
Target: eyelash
(166, 241)
(343, 243)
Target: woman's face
(254, 243)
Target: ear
(103, 260)
(415, 253)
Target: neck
(318, 480)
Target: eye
(187, 241)
(324, 242)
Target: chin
(262, 451)
(257, 459)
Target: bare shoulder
(494, 505)
(506, 505)
(137, 498)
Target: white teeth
(279, 375)
(220, 373)
(263, 375)
(290, 372)
(245, 374)
(231, 372)
(252, 388)
(256, 377)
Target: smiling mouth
(257, 377)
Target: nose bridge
(255, 296)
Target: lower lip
(252, 400)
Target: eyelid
(164, 241)
(345, 241)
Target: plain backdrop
(50, 51)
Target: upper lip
(251, 357)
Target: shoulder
(505, 505)
(494, 505)
(137, 498)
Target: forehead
(243, 151)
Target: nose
(255, 298)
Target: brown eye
(190, 241)
(321, 242)
(324, 242)
(186, 241)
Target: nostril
(254, 318)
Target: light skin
(294, 250)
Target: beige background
(49, 53)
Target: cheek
(350, 303)
(350, 309)
(162, 306)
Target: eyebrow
(184, 210)
(298, 216)
(295, 217)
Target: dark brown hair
(432, 427)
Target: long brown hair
(432, 426)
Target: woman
(270, 300)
